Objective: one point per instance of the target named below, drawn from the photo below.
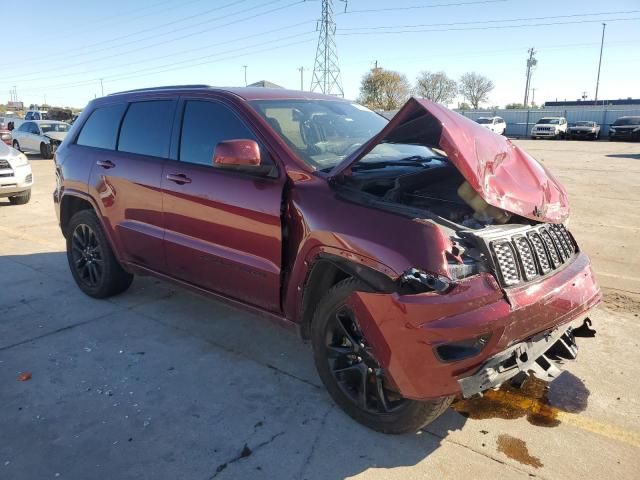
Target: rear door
(222, 228)
(126, 174)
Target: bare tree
(475, 88)
(384, 89)
(436, 87)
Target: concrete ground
(160, 383)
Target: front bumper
(544, 133)
(16, 180)
(406, 330)
(624, 135)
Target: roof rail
(166, 87)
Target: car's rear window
(146, 128)
(101, 129)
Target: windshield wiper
(412, 161)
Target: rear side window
(205, 124)
(146, 128)
(101, 129)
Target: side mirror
(244, 154)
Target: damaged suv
(424, 258)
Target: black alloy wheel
(87, 255)
(355, 368)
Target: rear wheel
(93, 265)
(352, 374)
(21, 199)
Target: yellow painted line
(578, 421)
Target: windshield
(54, 127)
(627, 121)
(549, 121)
(484, 121)
(320, 132)
(584, 124)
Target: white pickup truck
(550, 127)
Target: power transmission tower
(326, 72)
(531, 62)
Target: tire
(394, 414)
(16, 145)
(21, 199)
(46, 151)
(93, 265)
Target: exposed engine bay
(433, 185)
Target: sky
(166, 42)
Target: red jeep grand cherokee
(424, 258)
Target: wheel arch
(327, 270)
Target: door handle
(179, 178)
(105, 164)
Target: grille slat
(522, 258)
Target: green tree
(384, 89)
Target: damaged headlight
(422, 281)
(467, 268)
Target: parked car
(579, 130)
(416, 273)
(495, 124)
(36, 115)
(625, 128)
(550, 127)
(41, 136)
(16, 178)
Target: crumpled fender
(503, 174)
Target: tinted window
(204, 125)
(34, 129)
(146, 128)
(25, 127)
(101, 129)
(29, 116)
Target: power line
(206, 30)
(414, 7)
(164, 56)
(493, 27)
(382, 27)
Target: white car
(16, 177)
(40, 136)
(550, 127)
(495, 124)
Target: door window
(101, 129)
(34, 129)
(205, 124)
(146, 128)
(25, 127)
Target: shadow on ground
(632, 156)
(161, 383)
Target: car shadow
(632, 156)
(39, 302)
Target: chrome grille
(528, 255)
(505, 257)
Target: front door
(222, 229)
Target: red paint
(254, 239)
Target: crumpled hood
(503, 174)
(56, 135)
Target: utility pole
(531, 62)
(326, 72)
(245, 74)
(584, 95)
(595, 102)
(533, 96)
(101, 88)
(301, 70)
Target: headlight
(612, 130)
(19, 160)
(637, 129)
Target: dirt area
(161, 383)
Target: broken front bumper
(408, 331)
(541, 356)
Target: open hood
(504, 175)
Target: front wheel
(93, 265)
(353, 376)
(21, 199)
(46, 151)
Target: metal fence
(519, 122)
